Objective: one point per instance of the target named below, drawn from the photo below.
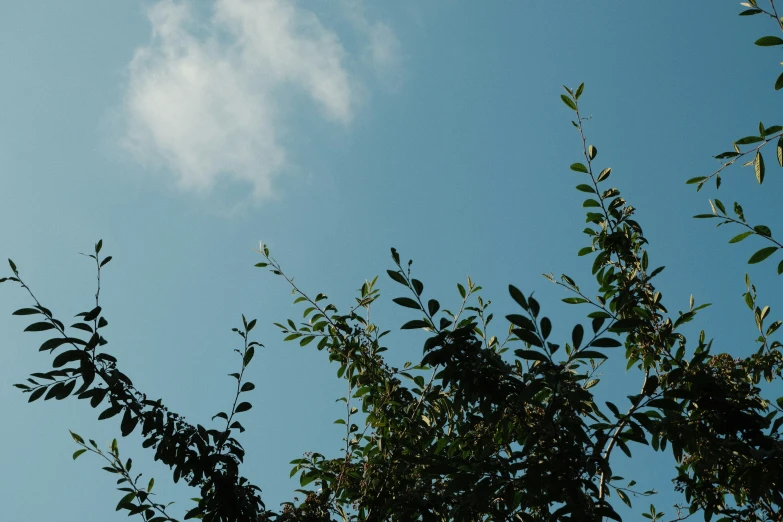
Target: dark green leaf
(568, 101)
(243, 406)
(697, 179)
(109, 412)
(575, 300)
(762, 254)
(606, 342)
(585, 188)
(531, 355)
(747, 140)
(129, 422)
(407, 302)
(69, 356)
(77, 453)
(517, 296)
(763, 230)
(36, 394)
(578, 167)
(604, 174)
(528, 337)
(39, 327)
(576, 336)
(27, 311)
(82, 326)
(767, 41)
(546, 327)
(248, 356)
(416, 323)
(521, 321)
(589, 354)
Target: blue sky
(182, 133)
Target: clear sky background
(182, 133)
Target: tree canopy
(482, 427)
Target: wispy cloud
(204, 96)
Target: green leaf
(780, 150)
(568, 101)
(750, 12)
(697, 179)
(589, 203)
(575, 300)
(758, 166)
(780, 268)
(585, 188)
(604, 174)
(762, 254)
(740, 237)
(77, 453)
(584, 251)
(767, 41)
(247, 387)
(407, 302)
(579, 90)
(578, 167)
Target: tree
(481, 428)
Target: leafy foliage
(481, 428)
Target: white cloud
(204, 96)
